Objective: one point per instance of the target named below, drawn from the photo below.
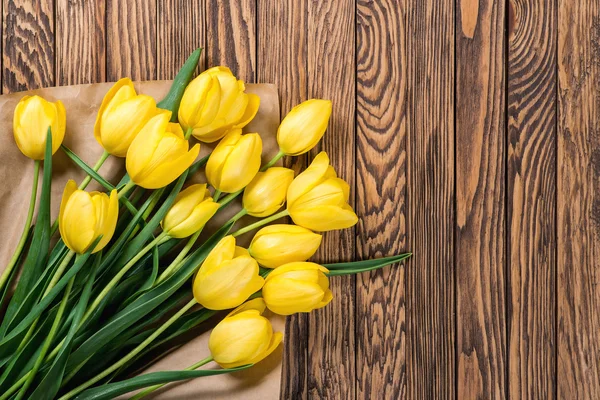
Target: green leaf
(197, 165)
(12, 339)
(184, 76)
(356, 267)
(37, 256)
(144, 304)
(50, 384)
(112, 390)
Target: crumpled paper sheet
(82, 103)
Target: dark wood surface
(469, 131)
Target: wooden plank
(180, 30)
(283, 62)
(381, 197)
(331, 75)
(578, 338)
(430, 178)
(131, 39)
(480, 250)
(532, 198)
(27, 44)
(231, 36)
(80, 42)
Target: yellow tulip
(318, 200)
(236, 108)
(297, 287)
(266, 193)
(159, 153)
(33, 115)
(235, 161)
(122, 116)
(85, 216)
(200, 102)
(227, 277)
(275, 245)
(304, 126)
(191, 210)
(243, 337)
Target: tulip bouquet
(129, 276)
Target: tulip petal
(69, 189)
(172, 166)
(297, 266)
(304, 126)
(242, 164)
(107, 223)
(308, 179)
(183, 206)
(196, 220)
(79, 221)
(324, 218)
(286, 296)
(107, 100)
(250, 112)
(216, 161)
(223, 251)
(276, 339)
(254, 304)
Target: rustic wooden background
(470, 133)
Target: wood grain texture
(231, 36)
(284, 63)
(381, 197)
(180, 31)
(80, 42)
(331, 75)
(532, 51)
(578, 337)
(430, 221)
(131, 39)
(480, 254)
(27, 44)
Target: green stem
(188, 132)
(159, 239)
(17, 254)
(86, 181)
(156, 387)
(273, 161)
(49, 338)
(229, 198)
(260, 223)
(217, 195)
(15, 387)
(177, 261)
(55, 278)
(125, 189)
(131, 354)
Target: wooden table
(470, 134)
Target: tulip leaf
(112, 390)
(356, 267)
(197, 165)
(144, 304)
(184, 76)
(10, 342)
(97, 177)
(50, 384)
(37, 255)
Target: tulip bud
(33, 115)
(235, 161)
(266, 193)
(236, 108)
(297, 287)
(318, 200)
(200, 102)
(243, 337)
(84, 216)
(159, 153)
(191, 210)
(122, 116)
(304, 126)
(227, 277)
(275, 245)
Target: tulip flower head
(122, 116)
(318, 200)
(236, 108)
(191, 210)
(159, 153)
(200, 102)
(266, 193)
(297, 287)
(227, 277)
(244, 336)
(235, 161)
(33, 115)
(303, 127)
(279, 244)
(85, 216)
